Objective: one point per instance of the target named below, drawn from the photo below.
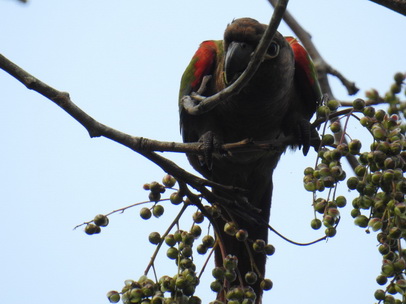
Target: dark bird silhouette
(275, 104)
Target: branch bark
(398, 6)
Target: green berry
(230, 228)
(194, 300)
(187, 238)
(360, 170)
(315, 224)
(369, 111)
(170, 240)
(378, 132)
(352, 183)
(269, 249)
(330, 231)
(358, 104)
(387, 269)
(187, 251)
(230, 275)
(328, 221)
(201, 249)
(156, 187)
(176, 198)
(113, 296)
(308, 171)
(154, 196)
(154, 238)
(259, 245)
(375, 224)
(158, 210)
(218, 273)
(335, 127)
(320, 205)
(266, 284)
(196, 231)
(333, 104)
(251, 277)
(230, 262)
(361, 221)
(241, 235)
(101, 220)
(354, 146)
(380, 115)
(323, 111)
(208, 241)
(92, 229)
(381, 280)
(341, 201)
(168, 181)
(216, 286)
(172, 253)
(136, 294)
(327, 140)
(145, 213)
(380, 295)
(399, 77)
(198, 217)
(395, 88)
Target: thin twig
(293, 242)
(120, 210)
(151, 263)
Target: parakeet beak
(238, 56)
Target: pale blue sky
(121, 61)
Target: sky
(121, 61)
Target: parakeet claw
(211, 144)
(307, 136)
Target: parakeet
(277, 102)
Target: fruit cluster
(381, 185)
(236, 294)
(379, 180)
(328, 173)
(146, 291)
(94, 227)
(180, 287)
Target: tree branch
(323, 68)
(141, 145)
(206, 104)
(398, 6)
(144, 146)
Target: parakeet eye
(273, 50)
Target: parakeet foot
(211, 143)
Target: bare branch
(323, 68)
(398, 6)
(138, 144)
(210, 102)
(141, 145)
